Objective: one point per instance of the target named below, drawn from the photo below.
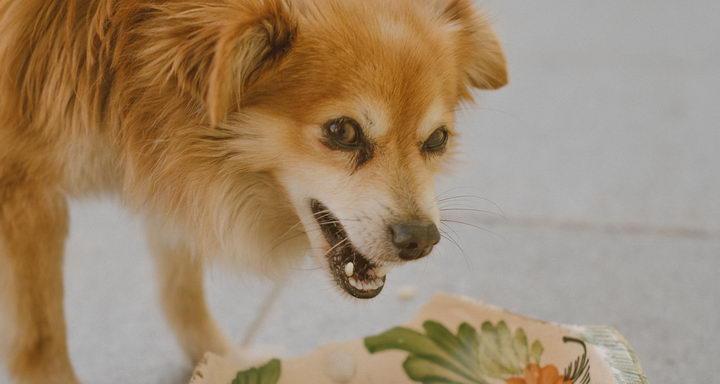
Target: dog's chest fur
(91, 166)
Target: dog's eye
(344, 133)
(437, 141)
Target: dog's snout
(414, 239)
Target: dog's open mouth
(352, 271)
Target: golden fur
(203, 116)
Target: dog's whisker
(455, 239)
(473, 226)
(340, 243)
(449, 237)
(308, 269)
(284, 239)
(320, 215)
(469, 196)
(295, 236)
(444, 225)
(459, 248)
(472, 210)
(292, 227)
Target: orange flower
(548, 374)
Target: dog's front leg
(33, 227)
(183, 297)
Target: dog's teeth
(354, 283)
(375, 284)
(365, 286)
(382, 271)
(349, 269)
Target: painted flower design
(467, 356)
(534, 374)
(476, 356)
(267, 374)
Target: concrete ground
(603, 155)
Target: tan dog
(252, 130)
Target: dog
(247, 131)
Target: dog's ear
(217, 50)
(477, 47)
(246, 50)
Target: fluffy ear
(246, 50)
(478, 50)
(215, 50)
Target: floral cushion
(453, 340)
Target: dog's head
(349, 105)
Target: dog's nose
(414, 239)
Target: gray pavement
(603, 155)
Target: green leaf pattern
(469, 356)
(267, 374)
(439, 356)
